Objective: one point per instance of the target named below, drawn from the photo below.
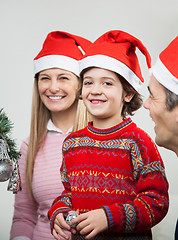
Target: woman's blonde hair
(38, 129)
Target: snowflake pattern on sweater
(118, 169)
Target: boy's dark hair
(136, 102)
(129, 107)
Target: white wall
(23, 28)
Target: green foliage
(5, 130)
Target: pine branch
(5, 130)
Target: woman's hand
(91, 223)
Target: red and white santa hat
(61, 50)
(116, 51)
(165, 69)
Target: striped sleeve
(25, 214)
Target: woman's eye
(44, 78)
(64, 78)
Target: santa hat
(116, 51)
(61, 50)
(165, 69)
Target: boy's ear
(128, 97)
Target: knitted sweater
(30, 216)
(118, 169)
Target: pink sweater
(30, 217)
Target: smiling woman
(55, 108)
(58, 90)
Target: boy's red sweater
(118, 169)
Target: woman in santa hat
(56, 111)
(112, 171)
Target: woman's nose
(54, 86)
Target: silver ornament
(71, 216)
(6, 168)
(6, 165)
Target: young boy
(112, 171)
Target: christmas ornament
(8, 155)
(71, 216)
(6, 165)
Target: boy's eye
(107, 83)
(87, 83)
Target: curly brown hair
(135, 103)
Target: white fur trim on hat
(56, 61)
(114, 65)
(164, 76)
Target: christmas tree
(9, 155)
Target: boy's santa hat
(61, 50)
(165, 69)
(116, 51)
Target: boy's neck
(106, 123)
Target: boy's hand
(90, 223)
(59, 226)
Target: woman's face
(58, 89)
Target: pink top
(30, 216)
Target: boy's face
(102, 94)
(165, 121)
